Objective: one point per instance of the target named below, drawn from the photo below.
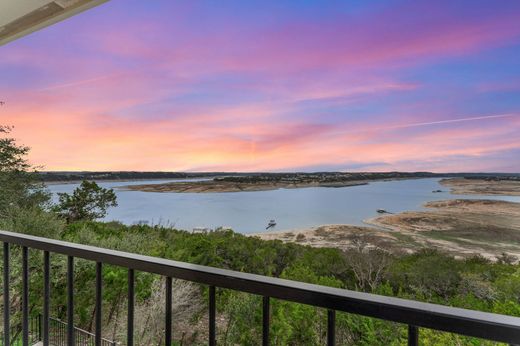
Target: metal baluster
(131, 299)
(40, 321)
(7, 305)
(70, 301)
(99, 299)
(413, 336)
(331, 327)
(64, 334)
(46, 297)
(212, 313)
(168, 308)
(265, 320)
(25, 296)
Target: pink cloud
(256, 97)
(127, 145)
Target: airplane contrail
(448, 121)
(341, 131)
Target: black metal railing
(15, 332)
(415, 314)
(58, 335)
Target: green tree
(19, 182)
(87, 202)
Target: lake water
(249, 212)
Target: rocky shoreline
(489, 186)
(462, 228)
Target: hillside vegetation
(474, 283)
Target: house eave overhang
(22, 17)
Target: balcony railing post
(212, 317)
(413, 336)
(331, 327)
(25, 296)
(168, 312)
(40, 323)
(70, 301)
(7, 302)
(131, 299)
(46, 298)
(265, 320)
(99, 300)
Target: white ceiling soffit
(21, 17)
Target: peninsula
(273, 181)
(484, 186)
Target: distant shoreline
(268, 182)
(65, 182)
(193, 187)
(63, 177)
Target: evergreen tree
(88, 202)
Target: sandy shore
(482, 186)
(343, 237)
(225, 186)
(462, 228)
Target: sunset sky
(270, 86)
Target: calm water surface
(249, 212)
